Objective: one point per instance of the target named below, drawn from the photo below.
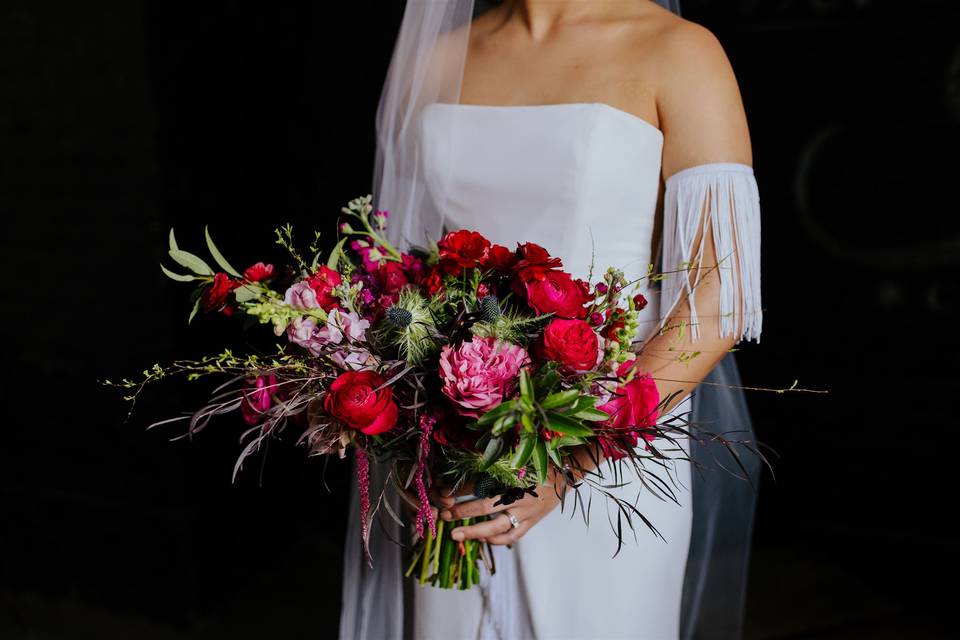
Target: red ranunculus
(433, 282)
(216, 296)
(391, 277)
(500, 259)
(572, 343)
(634, 410)
(258, 272)
(352, 400)
(533, 262)
(557, 293)
(461, 250)
(323, 282)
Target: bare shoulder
(698, 97)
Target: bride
(611, 132)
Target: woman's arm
(703, 120)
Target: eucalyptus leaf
(178, 277)
(217, 256)
(246, 293)
(191, 262)
(196, 307)
(173, 241)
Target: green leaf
(546, 379)
(191, 262)
(552, 451)
(177, 276)
(569, 441)
(527, 422)
(502, 424)
(246, 293)
(217, 256)
(526, 389)
(491, 453)
(568, 425)
(334, 258)
(497, 412)
(593, 415)
(173, 241)
(196, 307)
(560, 399)
(584, 402)
(540, 461)
(524, 450)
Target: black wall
(119, 120)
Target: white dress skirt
(581, 180)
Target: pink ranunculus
(478, 374)
(301, 296)
(257, 397)
(633, 409)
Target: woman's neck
(541, 17)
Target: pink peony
(478, 374)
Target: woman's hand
(529, 510)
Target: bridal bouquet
(464, 364)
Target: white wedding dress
(581, 180)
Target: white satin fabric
(580, 179)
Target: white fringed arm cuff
(726, 195)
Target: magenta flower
(257, 397)
(479, 374)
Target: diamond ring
(513, 519)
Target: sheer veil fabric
(427, 67)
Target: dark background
(120, 119)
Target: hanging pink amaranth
(363, 479)
(424, 512)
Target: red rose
(215, 296)
(462, 249)
(557, 293)
(499, 258)
(323, 282)
(351, 399)
(634, 410)
(258, 272)
(533, 262)
(572, 343)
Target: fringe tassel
(726, 195)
